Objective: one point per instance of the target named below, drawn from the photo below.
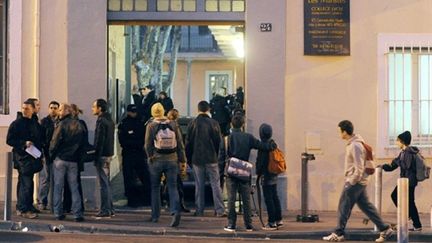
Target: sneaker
(29, 215)
(249, 228)
(221, 215)
(42, 207)
(279, 224)
(333, 237)
(230, 228)
(414, 229)
(79, 219)
(101, 215)
(385, 235)
(270, 227)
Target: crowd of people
(153, 150)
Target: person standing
(25, 132)
(65, 148)
(354, 190)
(406, 161)
(202, 145)
(165, 151)
(149, 98)
(239, 145)
(166, 101)
(104, 145)
(48, 124)
(270, 180)
(131, 138)
(220, 112)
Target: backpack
(422, 170)
(165, 140)
(369, 163)
(276, 164)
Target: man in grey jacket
(354, 191)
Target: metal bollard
(402, 210)
(8, 188)
(378, 191)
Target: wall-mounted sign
(266, 27)
(327, 27)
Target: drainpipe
(36, 35)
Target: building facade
(57, 50)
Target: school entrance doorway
(191, 50)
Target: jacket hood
(265, 131)
(356, 138)
(412, 149)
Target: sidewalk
(136, 221)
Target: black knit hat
(405, 137)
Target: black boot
(175, 220)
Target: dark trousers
(413, 213)
(272, 203)
(244, 188)
(350, 196)
(135, 166)
(25, 192)
(67, 195)
(165, 193)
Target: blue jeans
(244, 188)
(171, 170)
(44, 183)
(68, 169)
(350, 196)
(212, 171)
(103, 174)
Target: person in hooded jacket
(269, 184)
(406, 161)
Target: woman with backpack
(407, 161)
(269, 183)
(165, 150)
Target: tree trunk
(175, 46)
(156, 80)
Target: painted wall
(321, 91)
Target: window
(405, 95)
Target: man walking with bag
(354, 191)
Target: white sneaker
(333, 237)
(384, 235)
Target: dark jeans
(244, 188)
(45, 176)
(25, 192)
(165, 193)
(272, 203)
(413, 213)
(67, 195)
(350, 196)
(171, 170)
(135, 166)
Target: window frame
(385, 42)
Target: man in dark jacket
(166, 101)
(406, 161)
(104, 145)
(269, 185)
(149, 98)
(24, 133)
(65, 148)
(202, 145)
(220, 112)
(131, 138)
(240, 145)
(48, 124)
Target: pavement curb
(357, 235)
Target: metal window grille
(409, 93)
